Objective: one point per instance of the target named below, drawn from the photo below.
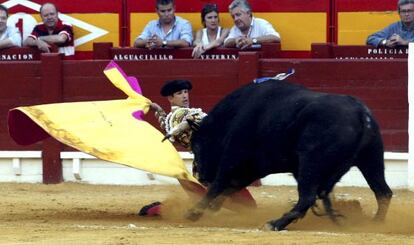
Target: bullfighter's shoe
(153, 209)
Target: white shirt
(204, 36)
(13, 34)
(259, 27)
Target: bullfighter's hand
(155, 107)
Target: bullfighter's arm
(159, 114)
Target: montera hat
(170, 87)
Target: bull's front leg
(197, 211)
(213, 199)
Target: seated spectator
(168, 31)
(52, 33)
(248, 30)
(9, 35)
(212, 35)
(399, 33)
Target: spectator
(248, 30)
(168, 31)
(52, 33)
(399, 33)
(9, 36)
(212, 35)
(179, 125)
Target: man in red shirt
(52, 35)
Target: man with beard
(168, 31)
(52, 34)
(9, 36)
(248, 30)
(399, 33)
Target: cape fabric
(111, 130)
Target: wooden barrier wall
(382, 84)
(355, 52)
(372, 81)
(300, 23)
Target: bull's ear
(193, 125)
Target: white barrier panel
(26, 167)
(410, 167)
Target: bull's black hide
(278, 127)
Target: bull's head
(205, 158)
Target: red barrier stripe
(365, 5)
(257, 5)
(75, 6)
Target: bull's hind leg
(327, 204)
(326, 189)
(370, 162)
(307, 198)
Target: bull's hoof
(272, 226)
(378, 219)
(194, 214)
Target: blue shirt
(180, 30)
(13, 34)
(395, 28)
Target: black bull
(279, 127)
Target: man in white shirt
(248, 30)
(9, 35)
(168, 31)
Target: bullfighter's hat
(172, 86)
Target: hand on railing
(198, 51)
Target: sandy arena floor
(89, 214)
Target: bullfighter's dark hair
(170, 87)
(163, 2)
(2, 7)
(208, 8)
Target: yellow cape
(105, 129)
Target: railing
(327, 50)
(106, 51)
(19, 54)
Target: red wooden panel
(329, 50)
(74, 6)
(365, 5)
(395, 140)
(84, 80)
(106, 51)
(387, 103)
(381, 84)
(19, 86)
(399, 141)
(391, 119)
(323, 70)
(257, 6)
(384, 92)
(19, 54)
